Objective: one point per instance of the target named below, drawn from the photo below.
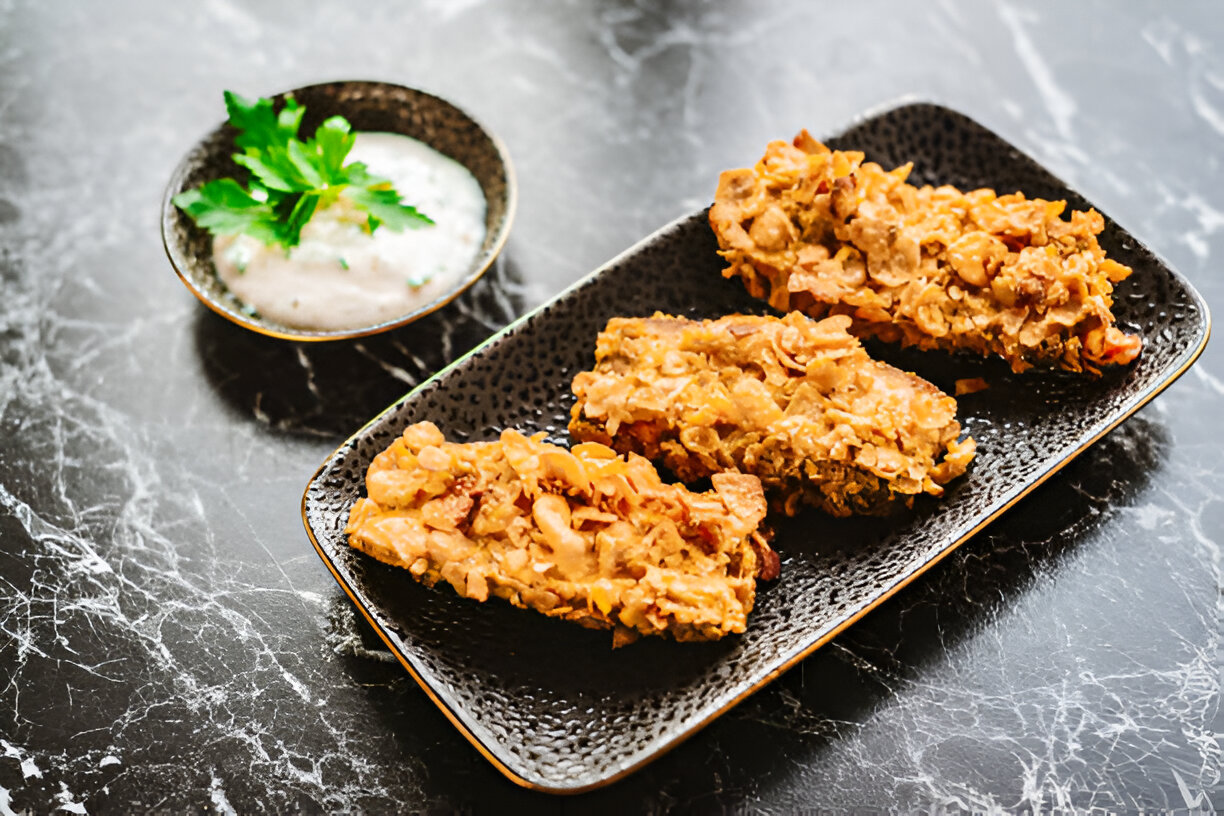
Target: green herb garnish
(291, 179)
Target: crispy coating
(796, 402)
(582, 535)
(825, 233)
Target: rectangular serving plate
(551, 705)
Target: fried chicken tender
(825, 233)
(582, 535)
(796, 402)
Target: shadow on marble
(635, 27)
(331, 389)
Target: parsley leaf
(224, 207)
(290, 179)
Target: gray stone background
(169, 641)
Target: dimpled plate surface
(550, 703)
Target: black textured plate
(550, 704)
(368, 106)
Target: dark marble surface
(170, 641)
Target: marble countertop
(169, 641)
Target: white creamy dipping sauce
(342, 277)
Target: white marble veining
(168, 639)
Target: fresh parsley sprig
(291, 179)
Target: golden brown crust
(823, 232)
(582, 535)
(796, 402)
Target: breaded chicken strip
(822, 232)
(794, 401)
(582, 535)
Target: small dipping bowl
(368, 106)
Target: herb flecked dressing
(342, 277)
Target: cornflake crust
(825, 233)
(796, 402)
(582, 535)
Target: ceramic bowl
(368, 106)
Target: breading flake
(826, 233)
(583, 535)
(796, 402)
